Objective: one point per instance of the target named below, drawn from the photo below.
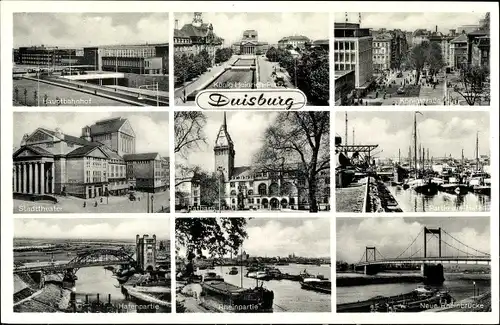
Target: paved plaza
(113, 204)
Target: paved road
(233, 79)
(202, 79)
(74, 98)
(116, 204)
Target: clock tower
(224, 151)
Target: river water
(97, 280)
(460, 287)
(288, 295)
(411, 201)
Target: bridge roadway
(430, 260)
(62, 266)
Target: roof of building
(180, 33)
(480, 32)
(384, 37)
(321, 42)
(242, 171)
(70, 138)
(141, 156)
(40, 151)
(421, 32)
(462, 38)
(82, 151)
(294, 38)
(199, 31)
(107, 126)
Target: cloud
(413, 21)
(310, 239)
(442, 133)
(99, 229)
(391, 236)
(89, 29)
(270, 27)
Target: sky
(246, 130)
(411, 21)
(89, 29)
(91, 228)
(391, 236)
(271, 27)
(151, 128)
(441, 132)
(271, 237)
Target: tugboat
(453, 187)
(318, 283)
(233, 271)
(259, 275)
(212, 276)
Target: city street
(116, 204)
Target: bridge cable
(411, 243)
(362, 257)
(466, 253)
(428, 239)
(465, 244)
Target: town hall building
(251, 188)
(102, 161)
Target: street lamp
(154, 87)
(474, 295)
(221, 170)
(152, 208)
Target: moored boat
(259, 275)
(237, 299)
(317, 284)
(233, 271)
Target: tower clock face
(221, 140)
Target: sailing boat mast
(415, 143)
(477, 150)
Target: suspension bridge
(86, 258)
(430, 255)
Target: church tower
(224, 151)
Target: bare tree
(472, 83)
(298, 143)
(188, 129)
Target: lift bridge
(450, 250)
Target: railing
(427, 259)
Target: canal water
(460, 287)
(411, 201)
(288, 295)
(97, 280)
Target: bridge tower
(372, 252)
(432, 231)
(146, 252)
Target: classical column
(14, 178)
(18, 178)
(30, 178)
(42, 178)
(36, 178)
(24, 179)
(52, 174)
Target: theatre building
(92, 165)
(250, 45)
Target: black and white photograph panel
(425, 161)
(90, 59)
(92, 265)
(252, 161)
(252, 265)
(412, 58)
(91, 162)
(436, 264)
(251, 51)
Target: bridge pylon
(370, 251)
(432, 231)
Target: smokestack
(109, 298)
(97, 298)
(436, 29)
(176, 24)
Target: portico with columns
(34, 176)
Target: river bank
(378, 279)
